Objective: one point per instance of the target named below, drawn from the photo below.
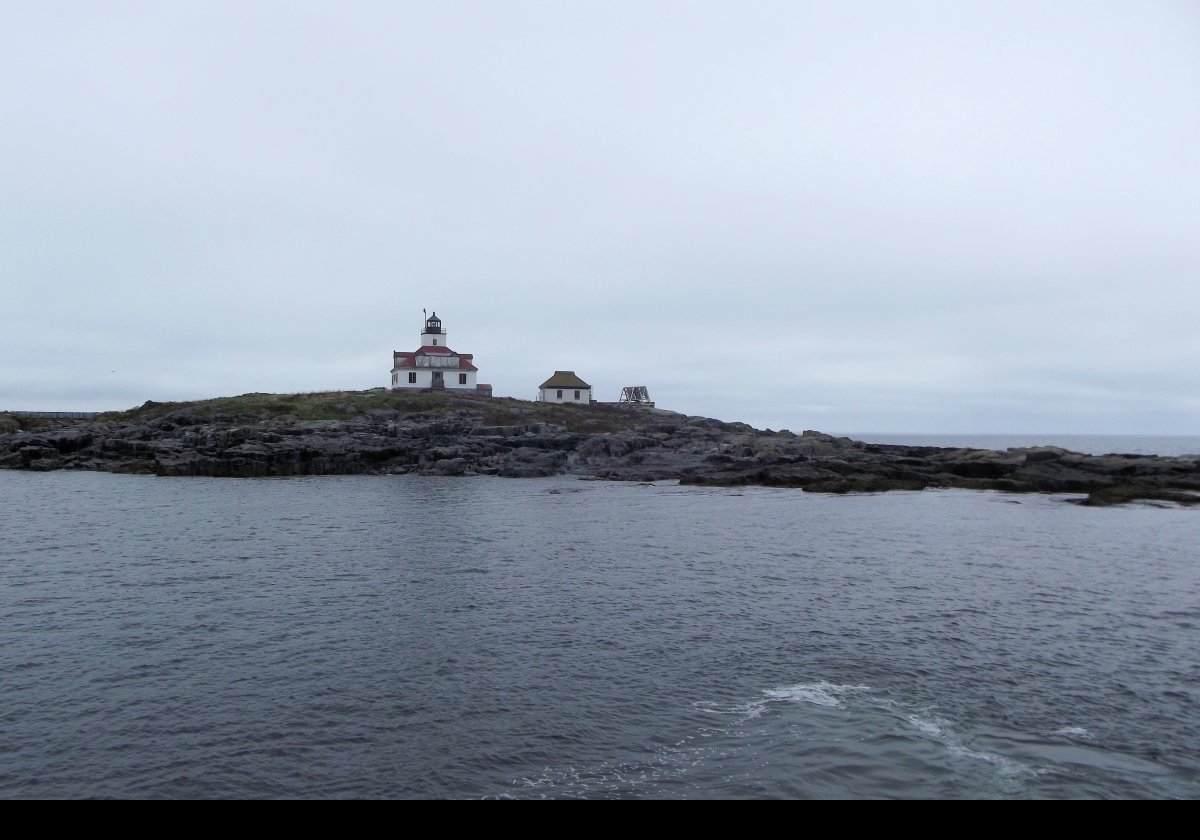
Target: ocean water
(1088, 444)
(405, 637)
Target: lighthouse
(434, 366)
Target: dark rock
(531, 463)
(447, 466)
(1122, 494)
(381, 416)
(647, 447)
(1044, 453)
(982, 469)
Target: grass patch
(323, 405)
(343, 405)
(587, 419)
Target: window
(576, 395)
(462, 379)
(412, 378)
(435, 342)
(560, 395)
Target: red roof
(408, 361)
(430, 350)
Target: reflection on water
(407, 636)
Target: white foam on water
(821, 693)
(933, 727)
(941, 732)
(1005, 766)
(1073, 732)
(709, 743)
(603, 779)
(817, 693)
(927, 724)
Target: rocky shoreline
(513, 439)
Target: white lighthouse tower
(435, 366)
(434, 334)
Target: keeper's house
(565, 387)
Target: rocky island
(383, 432)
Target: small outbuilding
(565, 387)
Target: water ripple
(408, 637)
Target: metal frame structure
(636, 395)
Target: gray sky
(875, 216)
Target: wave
(923, 722)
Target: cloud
(935, 217)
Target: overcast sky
(872, 217)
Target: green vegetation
(343, 405)
(10, 423)
(327, 405)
